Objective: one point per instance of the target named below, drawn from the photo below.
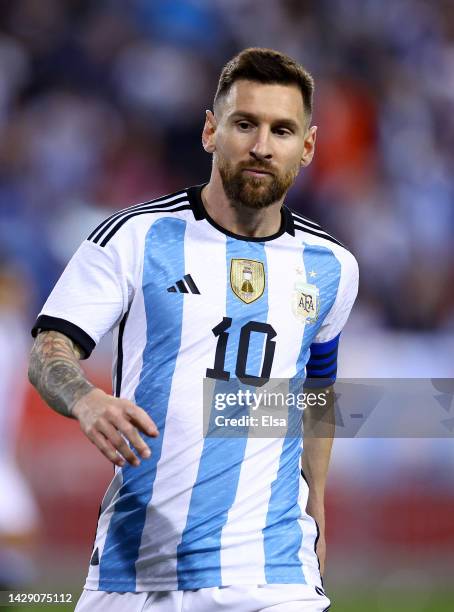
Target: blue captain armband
(321, 369)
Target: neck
(249, 222)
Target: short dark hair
(266, 66)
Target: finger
(118, 442)
(141, 419)
(134, 438)
(107, 449)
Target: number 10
(220, 332)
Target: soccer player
(222, 282)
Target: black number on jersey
(220, 332)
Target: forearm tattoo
(55, 371)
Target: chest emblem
(305, 301)
(247, 279)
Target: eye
(243, 125)
(281, 131)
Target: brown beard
(246, 191)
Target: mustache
(257, 165)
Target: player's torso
(205, 511)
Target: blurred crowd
(102, 105)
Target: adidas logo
(182, 287)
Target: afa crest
(305, 301)
(247, 279)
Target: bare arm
(318, 442)
(58, 377)
(56, 373)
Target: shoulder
(316, 235)
(136, 219)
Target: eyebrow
(288, 123)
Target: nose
(261, 148)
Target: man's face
(260, 140)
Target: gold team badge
(305, 300)
(247, 279)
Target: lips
(256, 171)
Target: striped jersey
(188, 301)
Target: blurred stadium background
(101, 106)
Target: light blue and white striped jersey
(187, 300)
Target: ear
(309, 146)
(209, 130)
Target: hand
(104, 419)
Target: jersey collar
(195, 199)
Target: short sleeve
(322, 363)
(346, 295)
(90, 297)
